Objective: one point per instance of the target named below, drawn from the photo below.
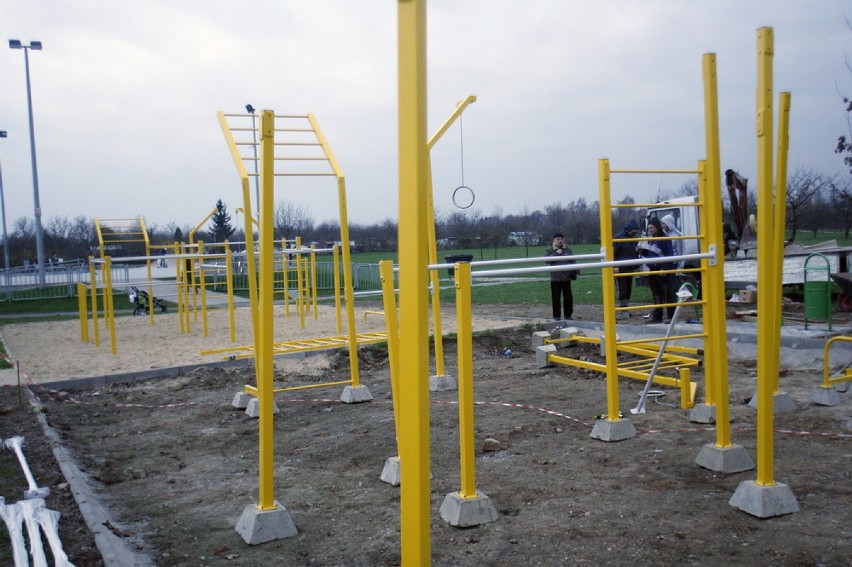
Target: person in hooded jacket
(625, 251)
(670, 229)
(661, 290)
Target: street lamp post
(16, 44)
(5, 236)
(250, 110)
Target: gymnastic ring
(455, 198)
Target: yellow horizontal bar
(654, 171)
(308, 387)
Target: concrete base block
(241, 400)
(541, 354)
(611, 431)
(703, 413)
(253, 408)
(357, 395)
(764, 501)
(782, 403)
(442, 384)
(568, 332)
(260, 526)
(466, 512)
(726, 460)
(826, 396)
(539, 337)
(391, 473)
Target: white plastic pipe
(29, 508)
(49, 520)
(13, 517)
(16, 444)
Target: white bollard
(29, 508)
(16, 444)
(13, 517)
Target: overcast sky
(125, 96)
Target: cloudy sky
(125, 97)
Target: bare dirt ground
(176, 464)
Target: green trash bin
(818, 289)
(817, 300)
(455, 258)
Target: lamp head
(15, 44)
(35, 45)
(249, 109)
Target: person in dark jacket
(561, 297)
(625, 251)
(659, 283)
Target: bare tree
(802, 186)
(841, 201)
(292, 220)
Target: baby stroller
(140, 301)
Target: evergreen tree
(222, 229)
(178, 237)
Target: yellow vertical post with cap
(264, 340)
(414, 437)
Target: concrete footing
(463, 512)
(442, 384)
(613, 430)
(260, 526)
(541, 354)
(357, 395)
(391, 473)
(726, 460)
(703, 413)
(764, 501)
(241, 400)
(253, 408)
(782, 403)
(826, 396)
(539, 337)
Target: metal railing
(22, 283)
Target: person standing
(625, 251)
(670, 229)
(561, 298)
(659, 283)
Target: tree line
(815, 202)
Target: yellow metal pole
(251, 263)
(716, 359)
(710, 380)
(438, 338)
(767, 361)
(229, 282)
(435, 280)
(263, 342)
(392, 326)
(301, 277)
(338, 315)
(313, 281)
(348, 285)
(109, 314)
(414, 448)
(82, 307)
(93, 282)
(607, 277)
(464, 346)
(780, 218)
(202, 283)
